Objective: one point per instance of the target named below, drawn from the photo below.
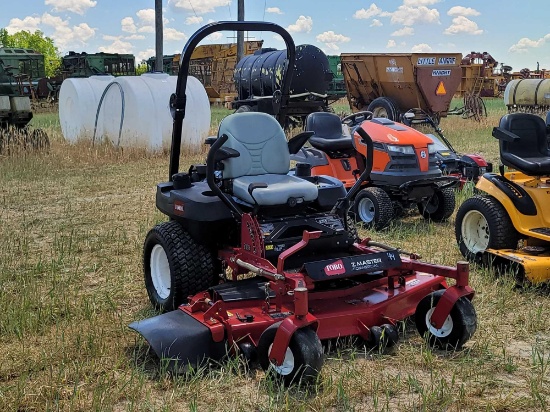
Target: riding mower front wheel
(175, 266)
(373, 207)
(303, 358)
(440, 206)
(459, 326)
(483, 223)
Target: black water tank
(259, 74)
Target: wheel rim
(288, 363)
(160, 271)
(380, 112)
(444, 331)
(432, 205)
(475, 231)
(366, 210)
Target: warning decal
(440, 90)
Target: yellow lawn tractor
(508, 226)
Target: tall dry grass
(72, 223)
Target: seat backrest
(532, 132)
(325, 125)
(261, 142)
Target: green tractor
(15, 114)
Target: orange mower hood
(394, 133)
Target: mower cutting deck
(259, 262)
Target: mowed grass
(72, 224)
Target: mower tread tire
(463, 322)
(383, 207)
(444, 208)
(384, 104)
(306, 348)
(502, 234)
(191, 265)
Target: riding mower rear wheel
(175, 266)
(373, 207)
(482, 223)
(440, 206)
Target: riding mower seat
(328, 136)
(524, 144)
(260, 172)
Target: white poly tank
(78, 100)
(527, 92)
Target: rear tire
(303, 358)
(373, 207)
(384, 107)
(440, 206)
(482, 223)
(459, 326)
(175, 266)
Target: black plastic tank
(260, 74)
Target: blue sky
(515, 35)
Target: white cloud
(391, 43)
(376, 23)
(274, 10)
(421, 48)
(128, 25)
(462, 11)
(29, 23)
(303, 25)
(118, 46)
(76, 6)
(173, 34)
(64, 36)
(215, 36)
(410, 15)
(146, 54)
(332, 39)
(525, 43)
(405, 31)
(135, 37)
(462, 24)
(373, 10)
(146, 16)
(193, 20)
(417, 3)
(146, 29)
(198, 7)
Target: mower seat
(328, 135)
(264, 160)
(524, 145)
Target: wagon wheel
(384, 107)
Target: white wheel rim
(475, 231)
(288, 363)
(444, 331)
(380, 112)
(160, 271)
(366, 210)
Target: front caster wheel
(459, 326)
(303, 357)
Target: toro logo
(335, 268)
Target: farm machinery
(508, 225)
(15, 115)
(259, 262)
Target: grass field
(72, 224)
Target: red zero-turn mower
(258, 262)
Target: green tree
(36, 41)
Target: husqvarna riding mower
(467, 167)
(258, 262)
(509, 225)
(404, 173)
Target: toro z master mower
(258, 262)
(508, 226)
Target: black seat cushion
(328, 132)
(529, 153)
